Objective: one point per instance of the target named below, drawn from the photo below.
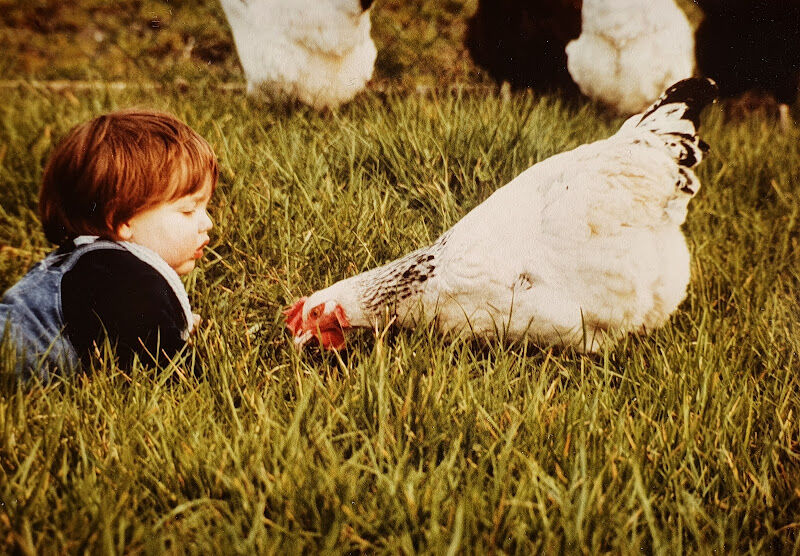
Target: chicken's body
(629, 51)
(318, 51)
(578, 249)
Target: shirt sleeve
(112, 294)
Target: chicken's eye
(314, 313)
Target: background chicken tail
(675, 118)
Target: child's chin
(184, 268)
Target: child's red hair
(111, 168)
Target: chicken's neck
(395, 287)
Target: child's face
(177, 230)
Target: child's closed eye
(189, 210)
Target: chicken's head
(324, 322)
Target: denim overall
(30, 312)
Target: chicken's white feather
(318, 51)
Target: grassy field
(686, 440)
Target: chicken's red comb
(294, 316)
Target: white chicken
(629, 51)
(577, 250)
(318, 51)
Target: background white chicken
(577, 250)
(629, 51)
(318, 51)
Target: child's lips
(199, 252)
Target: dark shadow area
(523, 42)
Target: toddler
(124, 196)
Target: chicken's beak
(302, 339)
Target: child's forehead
(204, 192)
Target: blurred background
(418, 41)
(745, 46)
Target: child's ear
(125, 232)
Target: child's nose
(206, 223)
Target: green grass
(686, 440)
